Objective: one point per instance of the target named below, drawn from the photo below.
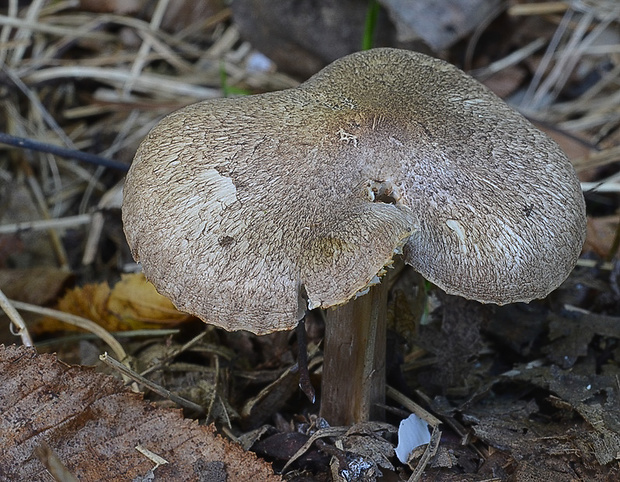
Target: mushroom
(247, 212)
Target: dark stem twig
(302, 362)
(61, 151)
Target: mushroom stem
(354, 353)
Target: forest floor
(519, 392)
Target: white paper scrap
(412, 432)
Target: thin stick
(174, 353)
(147, 83)
(527, 100)
(5, 32)
(16, 319)
(42, 27)
(593, 263)
(412, 406)
(60, 151)
(53, 464)
(431, 450)
(321, 433)
(480, 29)
(38, 106)
(511, 59)
(545, 8)
(75, 320)
(600, 186)
(24, 32)
(42, 224)
(145, 48)
(41, 202)
(597, 159)
(111, 362)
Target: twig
(600, 186)
(593, 263)
(42, 204)
(111, 199)
(111, 362)
(512, 59)
(38, 106)
(25, 31)
(431, 450)
(537, 9)
(174, 353)
(597, 159)
(53, 464)
(67, 339)
(147, 83)
(78, 321)
(5, 32)
(152, 456)
(324, 432)
(60, 151)
(480, 29)
(412, 406)
(16, 319)
(42, 224)
(145, 48)
(34, 26)
(216, 376)
(546, 60)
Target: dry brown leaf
(94, 424)
(9, 244)
(39, 286)
(570, 145)
(506, 82)
(132, 304)
(601, 234)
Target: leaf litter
(522, 392)
(83, 415)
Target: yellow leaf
(132, 304)
(135, 300)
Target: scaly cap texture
(247, 211)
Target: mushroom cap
(247, 211)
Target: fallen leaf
(439, 23)
(595, 397)
(99, 430)
(574, 147)
(505, 82)
(135, 300)
(132, 304)
(601, 232)
(39, 286)
(9, 244)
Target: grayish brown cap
(245, 211)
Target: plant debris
(81, 415)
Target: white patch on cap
(458, 229)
